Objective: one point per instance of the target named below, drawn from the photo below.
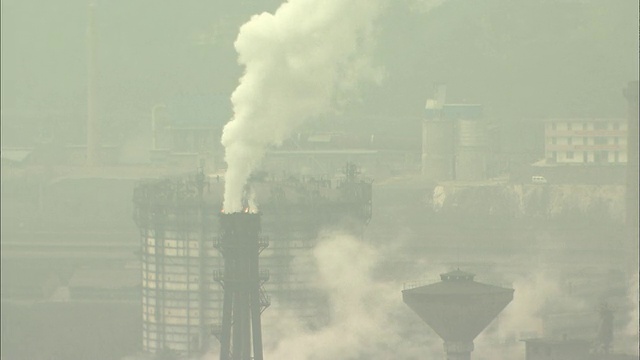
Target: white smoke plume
(368, 317)
(297, 61)
(534, 293)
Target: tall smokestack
(93, 139)
(631, 93)
(244, 300)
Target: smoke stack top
(297, 61)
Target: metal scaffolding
(180, 303)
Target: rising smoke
(298, 63)
(368, 317)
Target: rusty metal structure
(244, 298)
(457, 309)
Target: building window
(569, 126)
(554, 156)
(585, 126)
(616, 156)
(569, 154)
(553, 140)
(601, 125)
(616, 126)
(600, 140)
(600, 156)
(584, 141)
(553, 126)
(616, 140)
(570, 140)
(585, 157)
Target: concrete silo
(437, 140)
(472, 147)
(457, 309)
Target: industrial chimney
(631, 94)
(244, 298)
(93, 139)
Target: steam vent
(458, 309)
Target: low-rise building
(586, 141)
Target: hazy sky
(519, 58)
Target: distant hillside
(519, 58)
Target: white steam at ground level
(298, 61)
(367, 315)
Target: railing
(265, 300)
(219, 276)
(418, 283)
(263, 242)
(264, 276)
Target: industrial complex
(194, 280)
(127, 250)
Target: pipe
(154, 144)
(92, 122)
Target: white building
(586, 141)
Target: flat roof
(557, 341)
(324, 152)
(584, 119)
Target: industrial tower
(244, 300)
(457, 309)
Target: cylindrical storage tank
(437, 149)
(471, 150)
(472, 133)
(181, 302)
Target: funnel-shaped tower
(457, 309)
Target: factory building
(566, 349)
(187, 130)
(455, 142)
(586, 141)
(182, 255)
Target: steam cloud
(297, 61)
(368, 317)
